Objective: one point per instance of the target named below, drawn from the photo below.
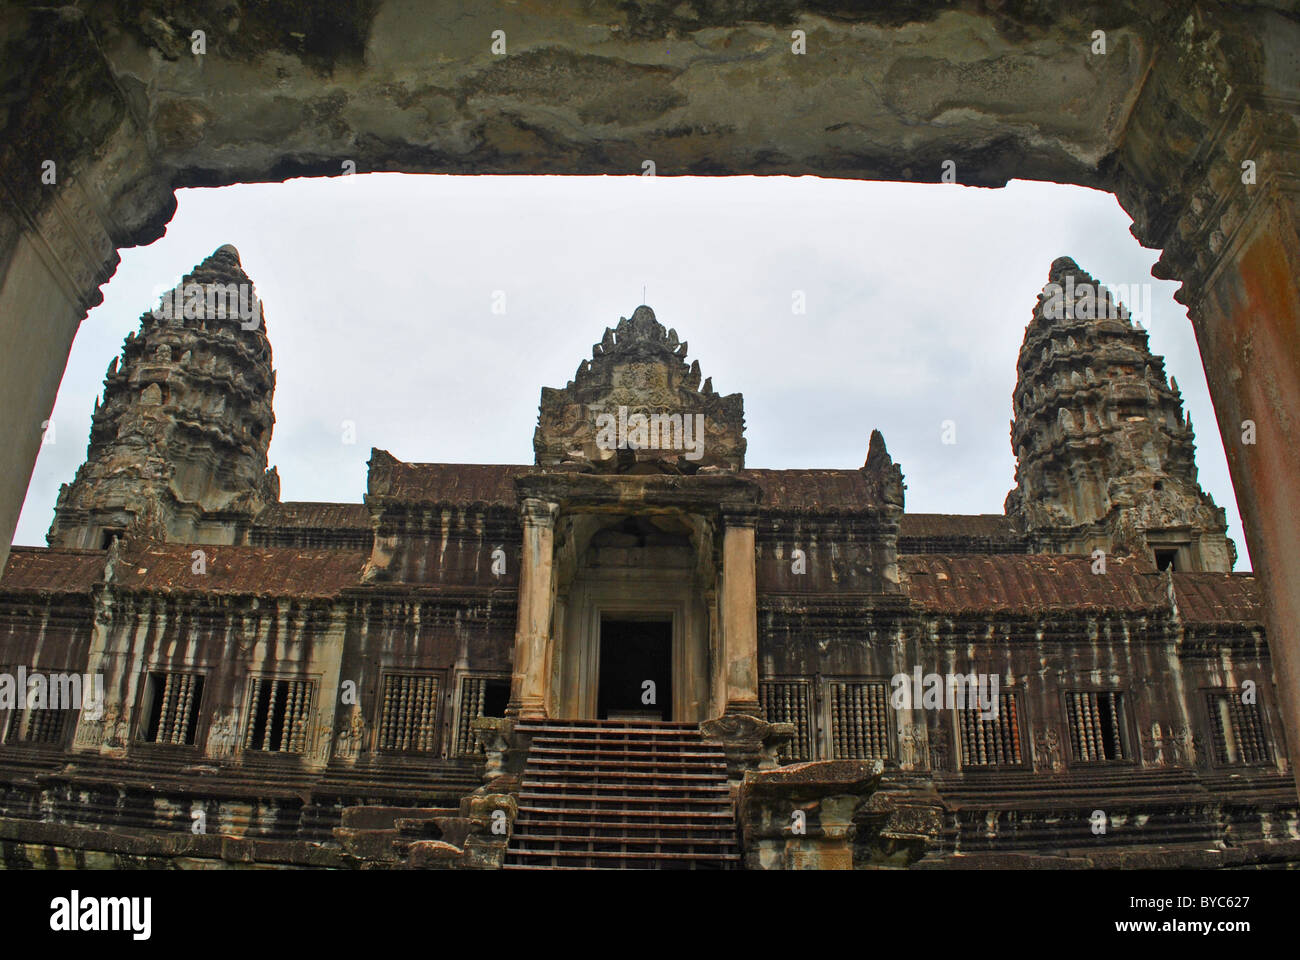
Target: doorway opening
(635, 670)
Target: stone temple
(636, 651)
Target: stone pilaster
(531, 678)
(739, 615)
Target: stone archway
(1189, 117)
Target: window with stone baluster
(1237, 731)
(279, 715)
(170, 710)
(408, 719)
(481, 695)
(789, 700)
(991, 738)
(859, 719)
(1098, 732)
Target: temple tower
(1105, 458)
(637, 407)
(178, 447)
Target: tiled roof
(51, 570)
(323, 516)
(253, 571)
(493, 483)
(488, 483)
(813, 489)
(1020, 583)
(956, 525)
(1218, 597)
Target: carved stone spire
(888, 475)
(184, 426)
(1104, 457)
(637, 406)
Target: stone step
(608, 725)
(717, 813)
(603, 827)
(628, 795)
(610, 772)
(367, 844)
(561, 841)
(638, 743)
(367, 817)
(594, 859)
(607, 794)
(603, 768)
(702, 758)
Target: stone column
(530, 682)
(739, 609)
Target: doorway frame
(661, 598)
(640, 614)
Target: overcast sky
(378, 293)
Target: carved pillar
(532, 671)
(739, 616)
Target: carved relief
(912, 743)
(939, 749)
(1047, 750)
(352, 738)
(223, 735)
(1180, 746)
(90, 733)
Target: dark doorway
(635, 667)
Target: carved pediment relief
(637, 406)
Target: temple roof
(814, 489)
(1036, 583)
(52, 570)
(956, 525)
(493, 484)
(251, 571)
(318, 516)
(453, 483)
(1027, 583)
(1219, 597)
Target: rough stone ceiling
(883, 91)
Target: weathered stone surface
(1184, 95)
(185, 422)
(801, 816)
(637, 407)
(1105, 456)
(772, 672)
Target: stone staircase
(609, 794)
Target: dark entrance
(635, 654)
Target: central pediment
(637, 406)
